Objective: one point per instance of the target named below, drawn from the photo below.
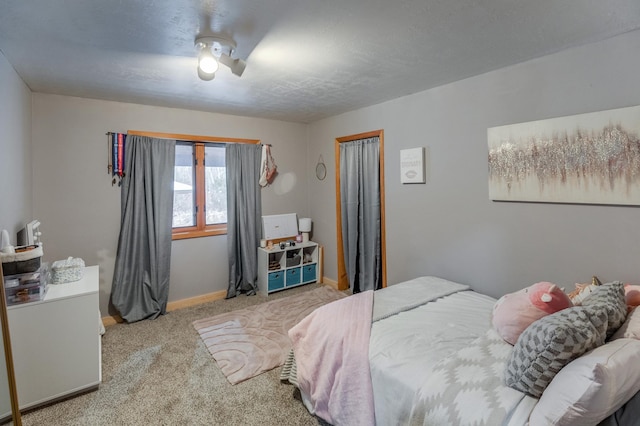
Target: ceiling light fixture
(207, 62)
(214, 50)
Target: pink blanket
(331, 347)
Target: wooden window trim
(199, 142)
(191, 138)
(201, 229)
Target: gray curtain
(360, 205)
(141, 275)
(244, 216)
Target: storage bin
(29, 287)
(276, 280)
(41, 275)
(309, 273)
(25, 294)
(25, 259)
(68, 270)
(293, 276)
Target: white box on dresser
(56, 342)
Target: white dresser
(56, 342)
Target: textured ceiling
(306, 59)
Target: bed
(423, 352)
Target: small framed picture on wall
(412, 165)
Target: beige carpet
(159, 373)
(250, 341)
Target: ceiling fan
(213, 50)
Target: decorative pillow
(611, 298)
(632, 294)
(514, 312)
(631, 327)
(591, 387)
(552, 342)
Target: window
(200, 183)
(199, 190)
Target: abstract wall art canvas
(589, 158)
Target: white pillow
(591, 387)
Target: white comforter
(410, 354)
(432, 358)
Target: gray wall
(15, 150)
(80, 210)
(15, 175)
(449, 227)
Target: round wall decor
(321, 169)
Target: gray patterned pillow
(609, 297)
(552, 342)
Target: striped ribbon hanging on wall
(118, 141)
(116, 147)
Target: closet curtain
(360, 206)
(140, 285)
(244, 216)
